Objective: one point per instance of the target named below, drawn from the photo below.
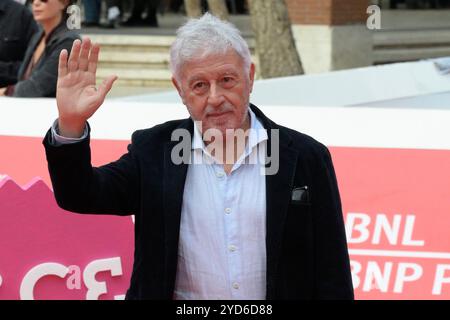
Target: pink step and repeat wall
(396, 203)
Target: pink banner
(395, 201)
(47, 252)
(397, 205)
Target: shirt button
(220, 175)
(236, 285)
(232, 248)
(228, 210)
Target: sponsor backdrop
(393, 168)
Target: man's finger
(74, 56)
(93, 58)
(62, 66)
(106, 86)
(84, 55)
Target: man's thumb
(106, 85)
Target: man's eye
(228, 81)
(199, 85)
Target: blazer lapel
(173, 188)
(278, 192)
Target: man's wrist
(70, 128)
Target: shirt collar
(257, 134)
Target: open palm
(77, 96)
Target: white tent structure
(411, 84)
(405, 105)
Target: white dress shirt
(222, 248)
(222, 245)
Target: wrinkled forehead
(206, 61)
(203, 54)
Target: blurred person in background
(140, 6)
(17, 26)
(92, 13)
(38, 72)
(113, 13)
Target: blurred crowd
(141, 12)
(132, 13)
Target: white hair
(205, 36)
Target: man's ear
(252, 76)
(178, 87)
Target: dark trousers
(92, 9)
(141, 5)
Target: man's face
(216, 90)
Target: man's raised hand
(77, 96)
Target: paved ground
(415, 19)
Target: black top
(44, 76)
(17, 26)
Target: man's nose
(215, 97)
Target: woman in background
(38, 73)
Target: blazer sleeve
(81, 188)
(332, 265)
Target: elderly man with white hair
(227, 203)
